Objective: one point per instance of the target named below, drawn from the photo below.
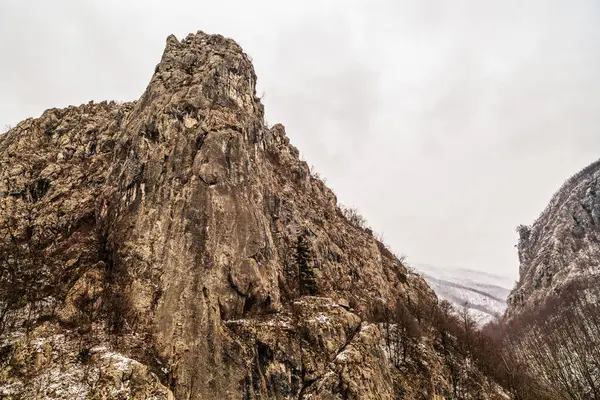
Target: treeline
(475, 359)
(559, 342)
(548, 353)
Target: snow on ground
(483, 293)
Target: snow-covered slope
(484, 294)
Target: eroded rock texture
(563, 245)
(150, 250)
(553, 318)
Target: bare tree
(354, 217)
(560, 342)
(25, 276)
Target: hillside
(553, 319)
(563, 244)
(484, 294)
(177, 247)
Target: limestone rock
(155, 241)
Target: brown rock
(168, 227)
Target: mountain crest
(176, 247)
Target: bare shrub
(353, 216)
(560, 342)
(317, 175)
(26, 278)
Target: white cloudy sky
(446, 123)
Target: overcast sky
(446, 123)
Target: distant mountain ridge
(483, 293)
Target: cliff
(176, 247)
(563, 244)
(553, 319)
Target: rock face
(176, 247)
(563, 245)
(553, 318)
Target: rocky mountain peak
(200, 73)
(176, 247)
(207, 70)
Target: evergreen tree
(306, 274)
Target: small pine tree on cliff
(306, 274)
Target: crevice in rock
(207, 183)
(343, 391)
(306, 385)
(38, 189)
(228, 154)
(348, 340)
(249, 303)
(150, 131)
(200, 140)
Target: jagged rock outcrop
(553, 319)
(149, 250)
(563, 245)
